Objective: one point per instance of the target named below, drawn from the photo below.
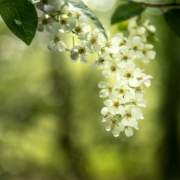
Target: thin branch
(159, 5)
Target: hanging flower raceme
(116, 58)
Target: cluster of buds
(115, 57)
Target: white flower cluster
(115, 56)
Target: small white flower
(82, 29)
(138, 89)
(57, 43)
(121, 89)
(138, 100)
(139, 78)
(111, 67)
(136, 45)
(126, 53)
(149, 27)
(127, 71)
(148, 53)
(102, 62)
(114, 104)
(135, 30)
(130, 115)
(119, 40)
(106, 89)
(45, 22)
(113, 122)
(111, 46)
(67, 23)
(95, 40)
(80, 51)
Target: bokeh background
(50, 121)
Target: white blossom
(45, 22)
(112, 122)
(80, 51)
(114, 104)
(136, 45)
(112, 68)
(138, 100)
(95, 40)
(57, 43)
(148, 53)
(149, 27)
(106, 89)
(119, 40)
(121, 89)
(118, 55)
(66, 23)
(139, 77)
(82, 29)
(130, 115)
(136, 30)
(126, 53)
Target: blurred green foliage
(50, 121)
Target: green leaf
(151, 38)
(122, 26)
(20, 17)
(126, 11)
(173, 21)
(89, 13)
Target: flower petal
(61, 46)
(103, 84)
(74, 55)
(84, 58)
(128, 131)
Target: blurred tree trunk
(169, 149)
(63, 87)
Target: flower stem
(73, 40)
